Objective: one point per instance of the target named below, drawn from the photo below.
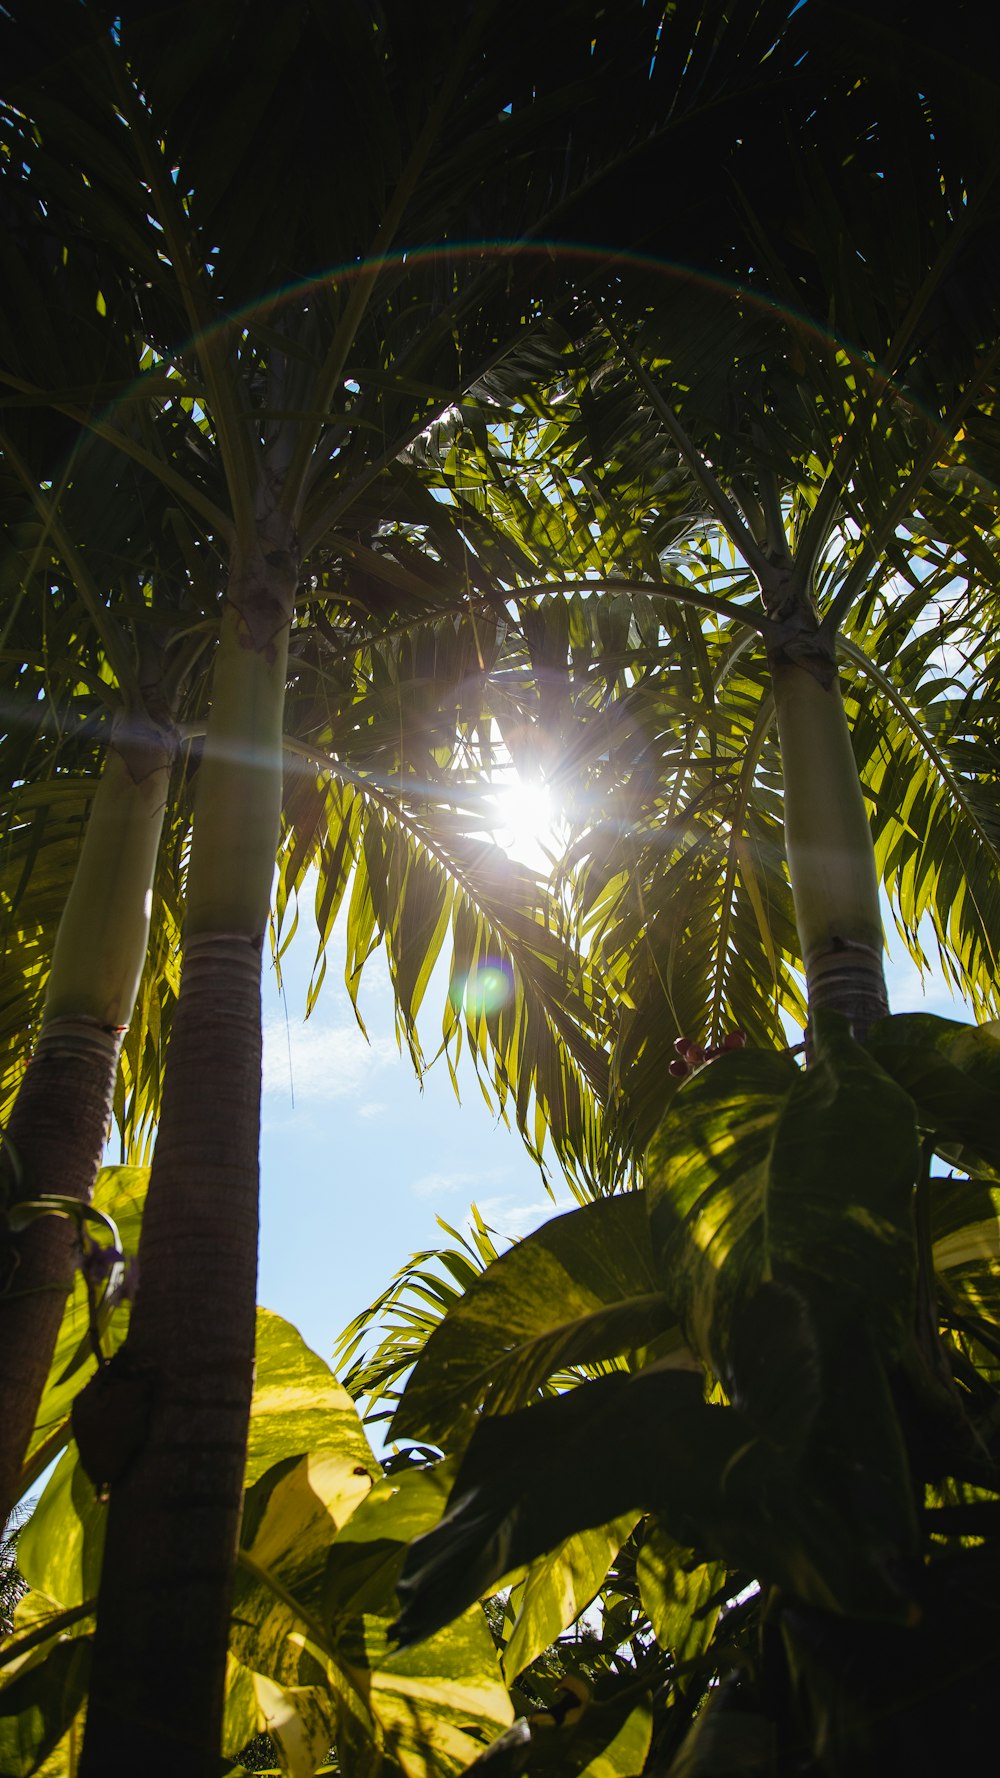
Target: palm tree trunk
(828, 841)
(56, 1135)
(166, 1587)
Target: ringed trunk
(185, 1373)
(831, 859)
(55, 1139)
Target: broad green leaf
(952, 1073)
(965, 1237)
(296, 1402)
(675, 1585)
(626, 1751)
(774, 1371)
(841, 1232)
(294, 1511)
(59, 1553)
(296, 1394)
(508, 1754)
(291, 1515)
(65, 1754)
(38, 1624)
(321, 1639)
(427, 1698)
(60, 1548)
(120, 1193)
(298, 1718)
(38, 1706)
(558, 1587)
(423, 1698)
(762, 1172)
(606, 1737)
(842, 1173)
(297, 1688)
(707, 1183)
(531, 1479)
(298, 1405)
(240, 1714)
(364, 1564)
(581, 1287)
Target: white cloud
(375, 1108)
(510, 1220)
(467, 1179)
(310, 1062)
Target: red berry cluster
(691, 1055)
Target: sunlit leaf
(580, 1288)
(558, 1587)
(676, 1586)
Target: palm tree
(282, 454)
(857, 1357)
(277, 483)
(767, 511)
(92, 683)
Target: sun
(526, 822)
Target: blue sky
(356, 1172)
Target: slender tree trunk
(56, 1135)
(184, 1377)
(174, 1517)
(831, 858)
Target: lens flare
(487, 988)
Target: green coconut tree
(289, 409)
(282, 413)
(807, 1256)
(723, 505)
(83, 683)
